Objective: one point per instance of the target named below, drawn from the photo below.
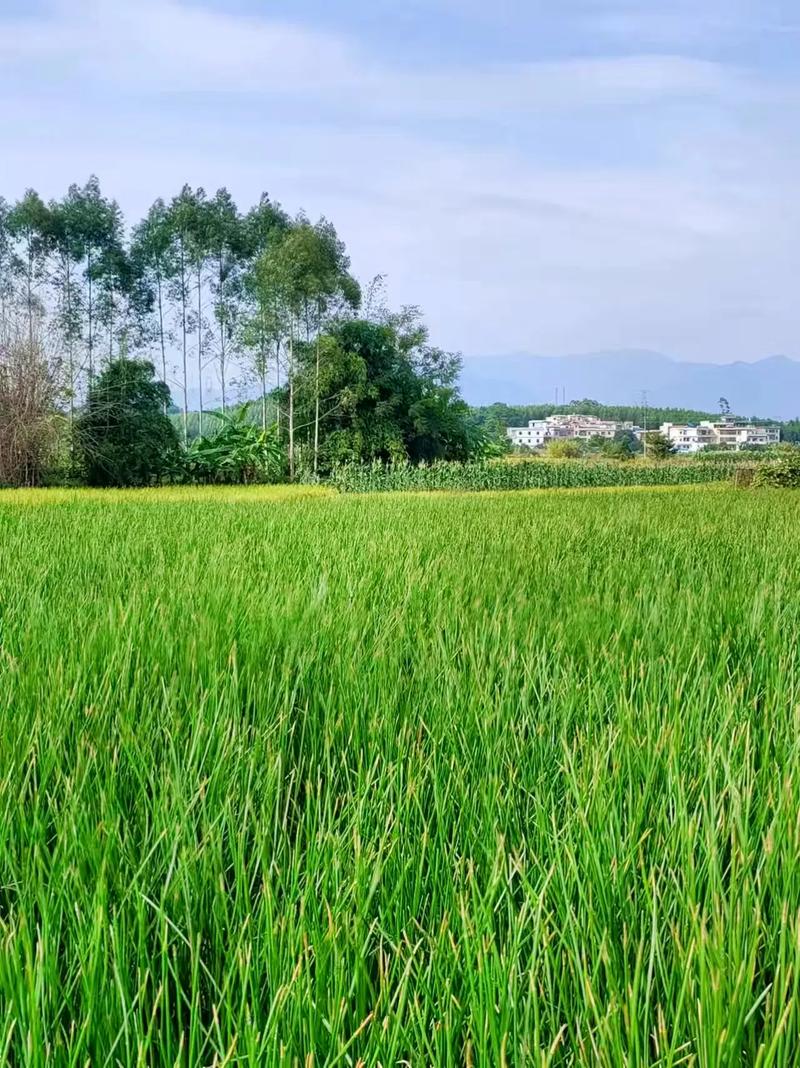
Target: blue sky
(547, 177)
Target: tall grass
(529, 474)
(445, 780)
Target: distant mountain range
(768, 388)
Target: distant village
(724, 433)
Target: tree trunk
(91, 311)
(222, 352)
(71, 359)
(291, 404)
(278, 384)
(111, 327)
(185, 352)
(316, 409)
(263, 367)
(30, 297)
(200, 347)
(161, 336)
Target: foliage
(238, 452)
(389, 395)
(659, 447)
(301, 278)
(123, 437)
(790, 431)
(483, 446)
(153, 251)
(413, 780)
(201, 286)
(564, 449)
(212, 425)
(625, 446)
(730, 455)
(782, 472)
(530, 474)
(257, 299)
(505, 415)
(30, 424)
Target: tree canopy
(386, 394)
(123, 436)
(255, 304)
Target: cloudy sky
(546, 176)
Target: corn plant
(536, 474)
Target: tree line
(227, 303)
(494, 418)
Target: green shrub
(564, 449)
(122, 436)
(784, 472)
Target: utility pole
(644, 423)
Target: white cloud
(546, 87)
(157, 45)
(683, 237)
(152, 46)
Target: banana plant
(240, 451)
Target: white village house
(685, 437)
(539, 431)
(725, 433)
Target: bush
(123, 437)
(31, 429)
(658, 446)
(564, 449)
(783, 473)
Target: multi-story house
(539, 431)
(725, 433)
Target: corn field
(295, 778)
(531, 474)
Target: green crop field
(295, 778)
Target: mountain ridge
(766, 388)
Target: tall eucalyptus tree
(30, 227)
(7, 267)
(227, 246)
(199, 248)
(179, 222)
(99, 232)
(153, 251)
(67, 251)
(316, 268)
(115, 286)
(261, 330)
(266, 327)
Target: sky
(542, 176)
